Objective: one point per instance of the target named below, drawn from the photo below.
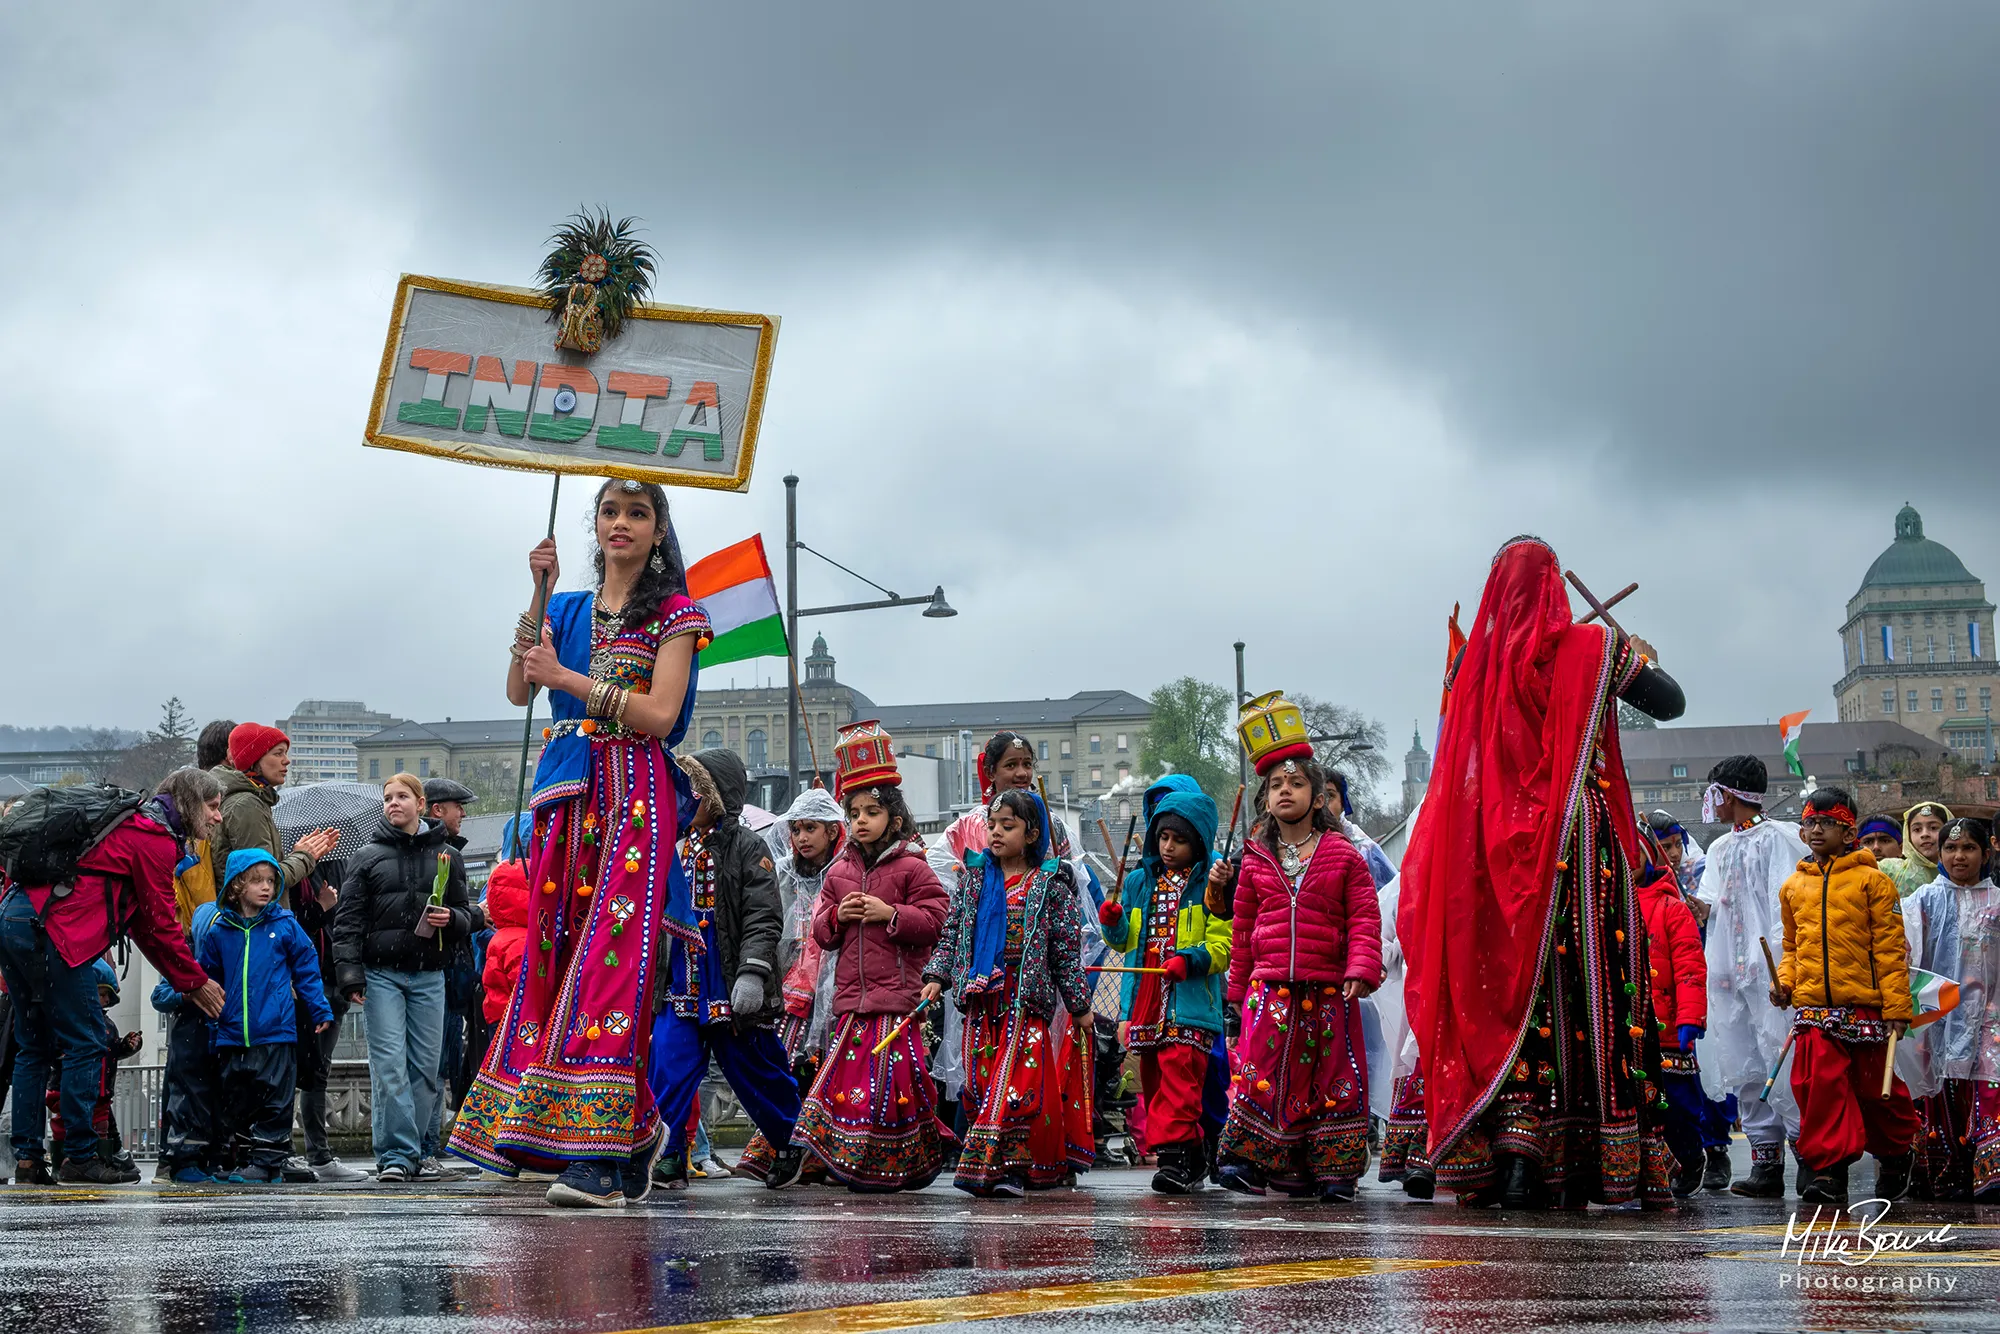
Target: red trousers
(1170, 1080)
(1842, 1112)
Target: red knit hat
(249, 743)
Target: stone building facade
(1917, 646)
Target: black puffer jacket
(748, 915)
(383, 897)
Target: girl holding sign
(564, 1085)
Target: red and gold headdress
(862, 758)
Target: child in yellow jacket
(1846, 968)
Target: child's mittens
(1688, 1034)
(130, 1044)
(747, 996)
(1111, 913)
(1177, 968)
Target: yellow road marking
(1037, 1301)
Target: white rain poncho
(1392, 1052)
(1744, 871)
(1956, 934)
(797, 895)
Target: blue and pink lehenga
(564, 1080)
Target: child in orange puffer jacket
(1680, 1004)
(507, 909)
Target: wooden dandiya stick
(1765, 1096)
(1235, 809)
(1889, 1064)
(1108, 968)
(1104, 832)
(1598, 608)
(1769, 962)
(1611, 602)
(897, 1031)
(1131, 828)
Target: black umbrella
(353, 809)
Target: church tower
(1416, 770)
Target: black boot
(1520, 1183)
(1892, 1176)
(1828, 1187)
(1420, 1181)
(1686, 1181)
(1181, 1169)
(1716, 1176)
(1765, 1182)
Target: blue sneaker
(589, 1186)
(635, 1178)
(190, 1176)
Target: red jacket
(507, 909)
(1680, 969)
(1329, 931)
(134, 868)
(880, 966)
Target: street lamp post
(933, 603)
(1242, 759)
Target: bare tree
(97, 755)
(1348, 740)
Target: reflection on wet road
(1109, 1256)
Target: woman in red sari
(1525, 946)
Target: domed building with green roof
(1918, 645)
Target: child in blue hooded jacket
(1161, 922)
(261, 955)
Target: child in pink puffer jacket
(872, 1115)
(1307, 946)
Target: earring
(657, 564)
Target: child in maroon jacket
(1307, 947)
(872, 1114)
(1680, 1005)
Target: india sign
(471, 372)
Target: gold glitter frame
(380, 432)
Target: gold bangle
(624, 698)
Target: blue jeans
(405, 1016)
(56, 1020)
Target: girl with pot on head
(564, 1084)
(1306, 947)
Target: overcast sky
(1140, 327)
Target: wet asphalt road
(490, 1255)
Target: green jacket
(1203, 939)
(247, 822)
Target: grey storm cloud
(1142, 327)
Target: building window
(931, 751)
(1122, 746)
(424, 767)
(711, 739)
(375, 770)
(1853, 765)
(1930, 648)
(1958, 699)
(1096, 776)
(1065, 747)
(465, 768)
(1067, 778)
(401, 768)
(1096, 744)
(1986, 699)
(1124, 772)
(1910, 701)
(1937, 699)
(1680, 771)
(1888, 701)
(758, 746)
(1951, 647)
(1044, 750)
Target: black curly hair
(1267, 830)
(902, 823)
(654, 587)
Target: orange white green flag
(735, 588)
(1788, 733)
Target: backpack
(51, 829)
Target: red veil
(1480, 873)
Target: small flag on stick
(734, 587)
(1788, 733)
(1931, 997)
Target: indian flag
(1788, 733)
(734, 587)
(1931, 997)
